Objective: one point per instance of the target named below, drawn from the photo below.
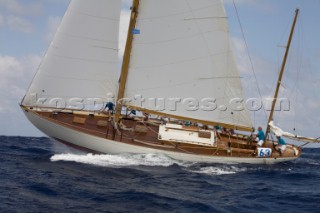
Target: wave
(310, 160)
(122, 160)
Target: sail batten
(181, 47)
(82, 60)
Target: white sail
(182, 49)
(82, 60)
(279, 132)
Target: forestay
(82, 60)
(182, 49)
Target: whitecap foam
(122, 160)
(215, 170)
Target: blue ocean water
(39, 175)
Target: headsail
(182, 50)
(82, 60)
(279, 132)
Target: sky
(27, 27)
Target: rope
(247, 48)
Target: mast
(281, 74)
(126, 59)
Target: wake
(149, 160)
(121, 160)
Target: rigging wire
(250, 59)
(279, 59)
(297, 64)
(280, 53)
(296, 83)
(296, 89)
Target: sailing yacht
(178, 92)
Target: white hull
(102, 145)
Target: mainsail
(82, 60)
(182, 51)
